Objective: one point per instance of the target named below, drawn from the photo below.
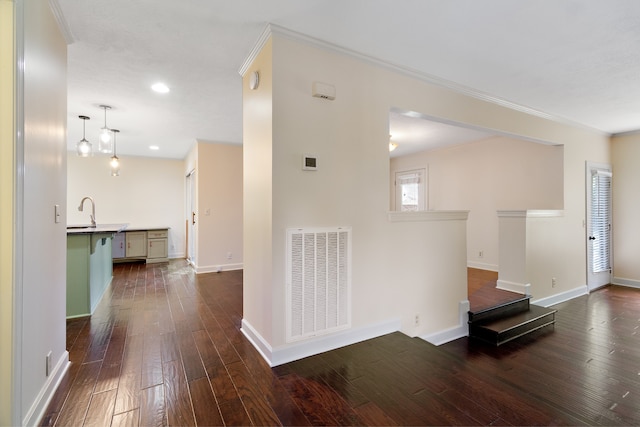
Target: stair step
(500, 331)
(500, 311)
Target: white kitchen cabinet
(117, 246)
(141, 244)
(157, 245)
(136, 242)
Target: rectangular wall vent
(318, 281)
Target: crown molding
(65, 29)
(271, 29)
(262, 40)
(626, 133)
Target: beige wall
(7, 173)
(40, 242)
(626, 205)
(258, 196)
(149, 192)
(219, 207)
(351, 187)
(496, 173)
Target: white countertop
(99, 228)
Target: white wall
(350, 137)
(626, 205)
(40, 245)
(219, 207)
(496, 173)
(149, 192)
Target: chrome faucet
(93, 210)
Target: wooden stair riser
(504, 336)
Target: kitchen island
(89, 266)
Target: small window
(410, 190)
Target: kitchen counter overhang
(100, 228)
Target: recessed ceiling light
(154, 147)
(160, 87)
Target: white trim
(262, 40)
(631, 283)
(257, 341)
(290, 352)
(216, 268)
(447, 335)
(483, 266)
(37, 411)
(428, 216)
(63, 25)
(512, 214)
(547, 213)
(561, 297)
(626, 133)
(532, 213)
(521, 288)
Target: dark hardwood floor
(482, 291)
(164, 348)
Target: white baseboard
(462, 330)
(561, 297)
(521, 288)
(217, 268)
(626, 282)
(177, 255)
(482, 266)
(290, 352)
(37, 411)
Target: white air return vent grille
(318, 281)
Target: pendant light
(104, 143)
(83, 147)
(115, 162)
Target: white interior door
(598, 216)
(191, 217)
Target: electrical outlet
(481, 254)
(416, 320)
(553, 282)
(229, 255)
